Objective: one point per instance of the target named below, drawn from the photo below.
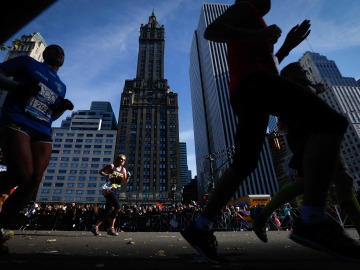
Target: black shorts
(34, 135)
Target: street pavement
(160, 250)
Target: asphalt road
(160, 250)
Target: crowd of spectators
(157, 217)
(78, 216)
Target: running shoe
(259, 225)
(328, 237)
(203, 241)
(111, 231)
(5, 236)
(95, 230)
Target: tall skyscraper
(81, 147)
(214, 121)
(148, 125)
(184, 170)
(343, 95)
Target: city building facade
(82, 145)
(185, 175)
(148, 125)
(343, 95)
(213, 119)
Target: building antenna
(309, 45)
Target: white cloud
(187, 135)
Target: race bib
(39, 107)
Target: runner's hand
(272, 33)
(296, 35)
(67, 104)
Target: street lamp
(173, 190)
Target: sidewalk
(161, 250)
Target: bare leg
(98, 223)
(112, 222)
(221, 194)
(248, 148)
(3, 198)
(321, 157)
(282, 196)
(26, 163)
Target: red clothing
(246, 58)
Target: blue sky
(100, 39)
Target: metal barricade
(157, 222)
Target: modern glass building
(185, 178)
(343, 95)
